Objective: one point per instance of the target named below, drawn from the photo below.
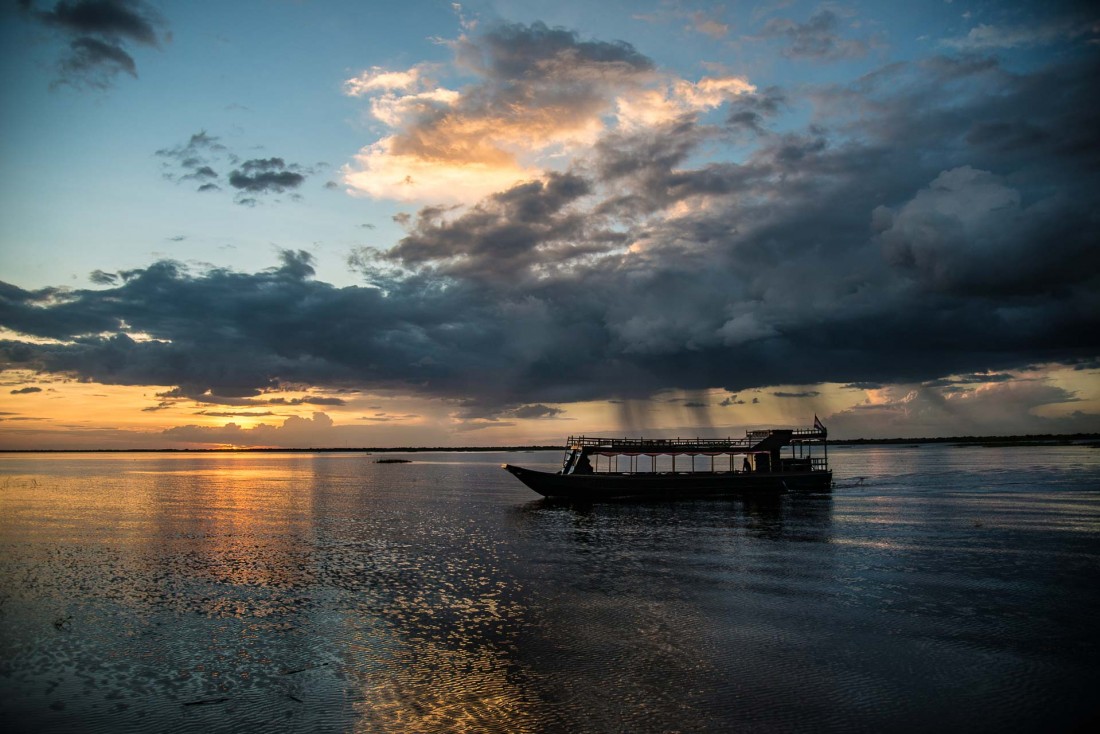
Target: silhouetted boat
(756, 465)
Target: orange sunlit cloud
(452, 146)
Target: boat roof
(761, 440)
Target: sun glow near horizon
(48, 413)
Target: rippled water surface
(956, 589)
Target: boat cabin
(767, 451)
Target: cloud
(383, 417)
(26, 390)
(818, 38)
(803, 394)
(378, 79)
(100, 277)
(542, 95)
(295, 431)
(264, 176)
(193, 158)
(971, 379)
(479, 424)
(99, 33)
(864, 386)
(709, 25)
(928, 220)
(997, 408)
(750, 111)
(698, 21)
(538, 411)
(969, 231)
(306, 401)
(530, 226)
(985, 37)
(199, 159)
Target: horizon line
(1027, 439)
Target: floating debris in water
(302, 670)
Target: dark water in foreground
(957, 590)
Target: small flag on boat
(819, 425)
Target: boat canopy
(762, 446)
(760, 441)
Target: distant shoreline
(1046, 439)
(1039, 440)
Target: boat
(768, 461)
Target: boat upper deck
(753, 440)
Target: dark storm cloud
(517, 230)
(803, 394)
(195, 161)
(895, 238)
(799, 232)
(98, 33)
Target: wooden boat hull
(667, 486)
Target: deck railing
(684, 445)
(675, 444)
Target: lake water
(956, 589)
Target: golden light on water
(456, 685)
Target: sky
(320, 223)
